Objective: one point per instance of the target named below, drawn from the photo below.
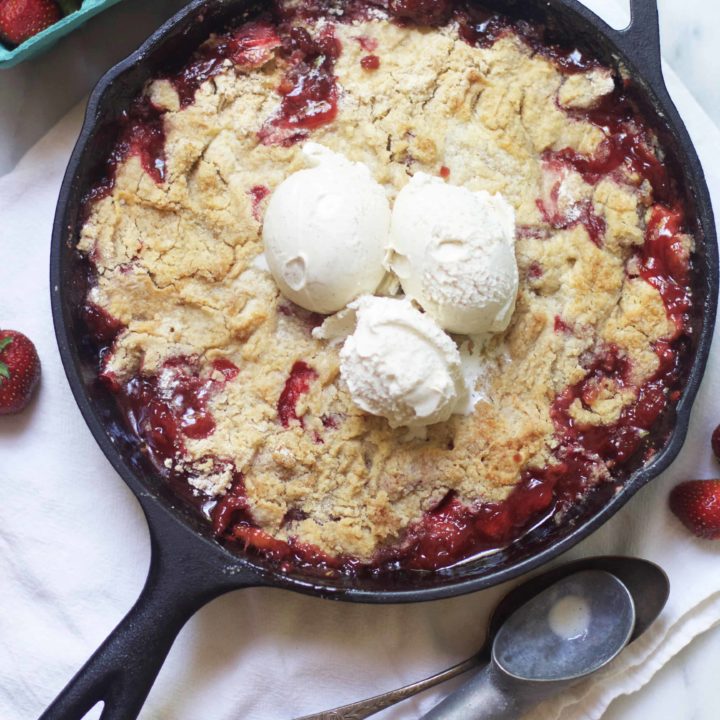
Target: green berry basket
(47, 38)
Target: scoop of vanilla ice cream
(399, 364)
(454, 252)
(325, 231)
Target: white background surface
(32, 98)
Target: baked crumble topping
(220, 375)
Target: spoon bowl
(646, 582)
(571, 629)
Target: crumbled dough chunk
(585, 90)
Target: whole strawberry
(19, 371)
(21, 19)
(715, 442)
(697, 505)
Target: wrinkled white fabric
(74, 547)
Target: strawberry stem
(4, 370)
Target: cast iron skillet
(189, 568)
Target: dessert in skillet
(382, 284)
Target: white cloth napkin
(74, 547)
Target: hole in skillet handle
(640, 41)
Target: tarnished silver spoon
(629, 594)
(568, 631)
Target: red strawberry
(697, 505)
(715, 442)
(253, 45)
(21, 19)
(19, 371)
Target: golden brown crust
(175, 264)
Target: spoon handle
(492, 695)
(366, 708)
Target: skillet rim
(251, 571)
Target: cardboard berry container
(44, 40)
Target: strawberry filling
(298, 384)
(167, 407)
(368, 44)
(308, 89)
(664, 263)
(171, 407)
(102, 326)
(626, 145)
(370, 62)
(249, 46)
(257, 194)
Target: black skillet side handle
(122, 671)
(640, 41)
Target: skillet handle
(122, 671)
(640, 41)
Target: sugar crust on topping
(175, 264)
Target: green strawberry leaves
(4, 370)
(69, 6)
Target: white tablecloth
(74, 549)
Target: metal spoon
(568, 631)
(646, 582)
